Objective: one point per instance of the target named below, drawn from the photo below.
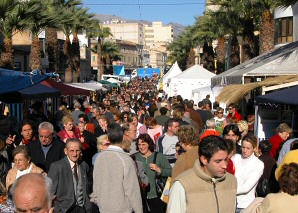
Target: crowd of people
(109, 155)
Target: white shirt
(169, 144)
(26, 171)
(177, 201)
(248, 172)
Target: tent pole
(256, 126)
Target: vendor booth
(174, 71)
(192, 78)
(274, 108)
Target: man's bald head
(32, 192)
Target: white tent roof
(199, 94)
(89, 86)
(195, 72)
(280, 61)
(175, 70)
(113, 80)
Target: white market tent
(192, 78)
(200, 93)
(280, 61)
(175, 70)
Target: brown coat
(185, 161)
(196, 117)
(12, 174)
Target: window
(93, 58)
(283, 30)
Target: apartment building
(131, 55)
(157, 35)
(121, 30)
(149, 37)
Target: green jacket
(162, 163)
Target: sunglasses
(230, 108)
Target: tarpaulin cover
(11, 81)
(285, 96)
(37, 91)
(119, 70)
(65, 89)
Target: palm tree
(180, 49)
(40, 19)
(82, 20)
(12, 19)
(267, 21)
(110, 52)
(63, 8)
(204, 34)
(99, 32)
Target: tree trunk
(35, 54)
(75, 50)
(248, 45)
(266, 32)
(52, 49)
(208, 57)
(99, 60)
(235, 58)
(66, 51)
(191, 58)
(6, 60)
(221, 55)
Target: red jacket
(275, 141)
(236, 115)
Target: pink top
(155, 133)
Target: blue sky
(179, 11)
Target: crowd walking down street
(138, 150)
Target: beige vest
(204, 195)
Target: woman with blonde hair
(283, 131)
(69, 130)
(102, 144)
(248, 170)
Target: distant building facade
(121, 30)
(286, 25)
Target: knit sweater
(115, 180)
(162, 163)
(248, 172)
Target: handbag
(263, 187)
(160, 182)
